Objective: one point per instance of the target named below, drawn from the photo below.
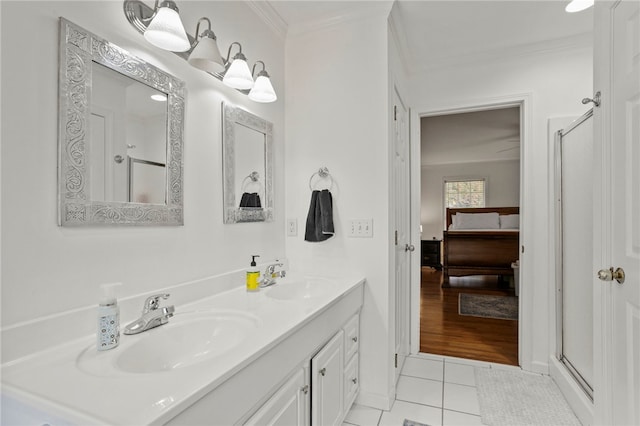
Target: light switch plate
(360, 228)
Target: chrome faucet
(270, 275)
(152, 315)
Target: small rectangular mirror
(248, 175)
(121, 136)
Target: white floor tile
(361, 415)
(405, 410)
(453, 418)
(420, 391)
(461, 398)
(423, 368)
(459, 373)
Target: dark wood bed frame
(479, 252)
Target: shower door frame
(560, 254)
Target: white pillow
(478, 221)
(454, 222)
(510, 221)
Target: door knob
(409, 247)
(595, 100)
(323, 371)
(611, 274)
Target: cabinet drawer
(351, 382)
(351, 337)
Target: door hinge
(396, 361)
(396, 239)
(395, 113)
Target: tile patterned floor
(438, 391)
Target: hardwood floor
(444, 332)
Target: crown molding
(355, 13)
(269, 16)
(575, 42)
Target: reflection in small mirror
(128, 120)
(250, 166)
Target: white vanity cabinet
(351, 360)
(288, 406)
(327, 383)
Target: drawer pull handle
(323, 371)
(355, 339)
(305, 389)
(354, 380)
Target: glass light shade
(578, 5)
(206, 56)
(167, 32)
(238, 75)
(262, 90)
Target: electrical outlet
(361, 228)
(292, 227)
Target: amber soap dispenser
(253, 275)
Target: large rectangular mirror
(121, 136)
(248, 174)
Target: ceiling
(477, 136)
(448, 32)
(439, 32)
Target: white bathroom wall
(337, 117)
(502, 189)
(553, 82)
(47, 269)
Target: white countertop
(52, 378)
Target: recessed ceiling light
(578, 5)
(159, 98)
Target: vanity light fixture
(262, 90)
(238, 75)
(165, 29)
(206, 55)
(578, 5)
(159, 98)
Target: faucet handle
(153, 302)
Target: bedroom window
(464, 193)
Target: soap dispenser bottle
(108, 335)
(253, 275)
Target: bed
(479, 242)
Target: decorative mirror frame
(232, 213)
(78, 49)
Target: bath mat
(408, 422)
(513, 397)
(483, 305)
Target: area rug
(513, 397)
(408, 422)
(483, 305)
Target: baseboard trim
(375, 400)
(578, 400)
(539, 367)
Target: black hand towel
(320, 218)
(250, 200)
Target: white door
(403, 245)
(617, 210)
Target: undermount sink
(300, 289)
(189, 338)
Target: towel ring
(322, 173)
(253, 177)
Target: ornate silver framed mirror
(120, 136)
(248, 166)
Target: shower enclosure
(574, 245)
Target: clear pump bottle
(108, 335)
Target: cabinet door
(289, 406)
(327, 382)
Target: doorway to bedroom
(469, 231)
